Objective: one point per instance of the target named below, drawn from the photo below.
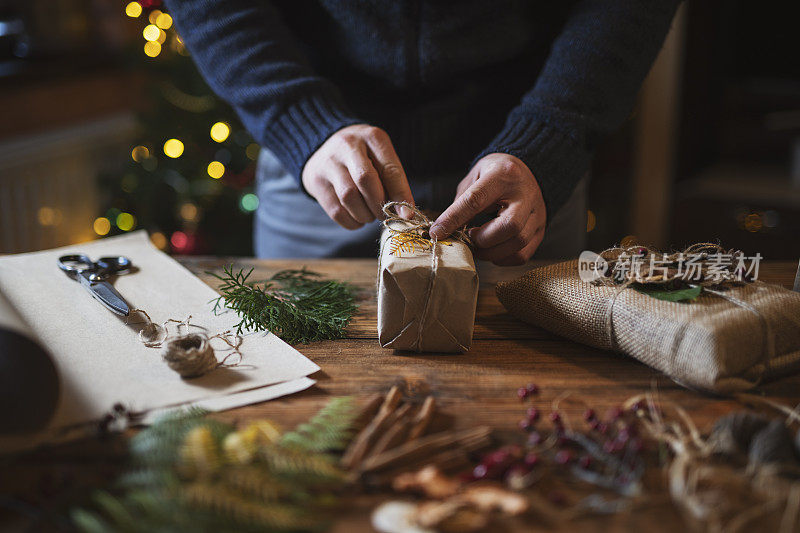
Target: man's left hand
(504, 183)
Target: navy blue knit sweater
(449, 81)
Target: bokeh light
(48, 216)
(151, 32)
(173, 148)
(249, 202)
(159, 240)
(179, 240)
(153, 16)
(139, 153)
(133, 10)
(252, 151)
(220, 131)
(189, 212)
(216, 169)
(152, 48)
(126, 221)
(163, 21)
(102, 226)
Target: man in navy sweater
(468, 107)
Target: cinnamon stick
(423, 418)
(423, 448)
(360, 445)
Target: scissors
(93, 275)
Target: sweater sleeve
(585, 90)
(251, 59)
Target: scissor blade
(108, 296)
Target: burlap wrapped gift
(426, 302)
(711, 343)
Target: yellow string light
(140, 152)
(153, 16)
(220, 131)
(164, 21)
(151, 32)
(133, 9)
(159, 240)
(126, 221)
(216, 169)
(152, 48)
(173, 148)
(189, 212)
(102, 226)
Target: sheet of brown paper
(100, 359)
(405, 289)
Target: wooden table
(479, 387)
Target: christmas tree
(189, 179)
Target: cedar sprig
(296, 305)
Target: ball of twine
(190, 355)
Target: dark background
(711, 151)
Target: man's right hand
(354, 173)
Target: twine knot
(418, 225)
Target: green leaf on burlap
(671, 295)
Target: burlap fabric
(711, 343)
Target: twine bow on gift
(413, 234)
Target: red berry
(585, 461)
(496, 458)
(589, 415)
(522, 393)
(555, 418)
(563, 457)
(534, 439)
(524, 424)
(533, 414)
(531, 459)
(532, 389)
(479, 472)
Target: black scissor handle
(116, 264)
(76, 264)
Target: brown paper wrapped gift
(426, 303)
(711, 343)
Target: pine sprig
(294, 304)
(328, 430)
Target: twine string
(418, 224)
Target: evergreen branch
(294, 304)
(328, 430)
(312, 468)
(182, 481)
